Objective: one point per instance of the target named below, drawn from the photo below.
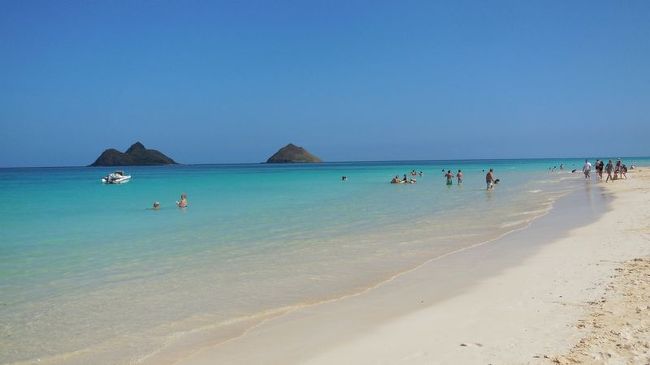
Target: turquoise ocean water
(89, 275)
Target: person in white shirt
(587, 169)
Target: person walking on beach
(586, 169)
(600, 165)
(489, 179)
(609, 168)
(459, 176)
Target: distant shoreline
(627, 158)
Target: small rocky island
(136, 155)
(293, 154)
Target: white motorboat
(117, 177)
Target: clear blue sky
(210, 81)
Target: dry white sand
(619, 323)
(566, 303)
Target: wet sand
(529, 297)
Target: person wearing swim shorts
(450, 177)
(489, 179)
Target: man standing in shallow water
(450, 177)
(587, 169)
(489, 179)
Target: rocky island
(137, 154)
(293, 154)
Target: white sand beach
(535, 296)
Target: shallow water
(89, 275)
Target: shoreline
(229, 331)
(366, 340)
(199, 329)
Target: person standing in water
(609, 168)
(489, 179)
(599, 169)
(459, 176)
(183, 202)
(450, 177)
(586, 169)
(617, 169)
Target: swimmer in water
(459, 176)
(183, 202)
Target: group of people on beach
(181, 203)
(619, 170)
(490, 179)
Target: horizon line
(312, 163)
